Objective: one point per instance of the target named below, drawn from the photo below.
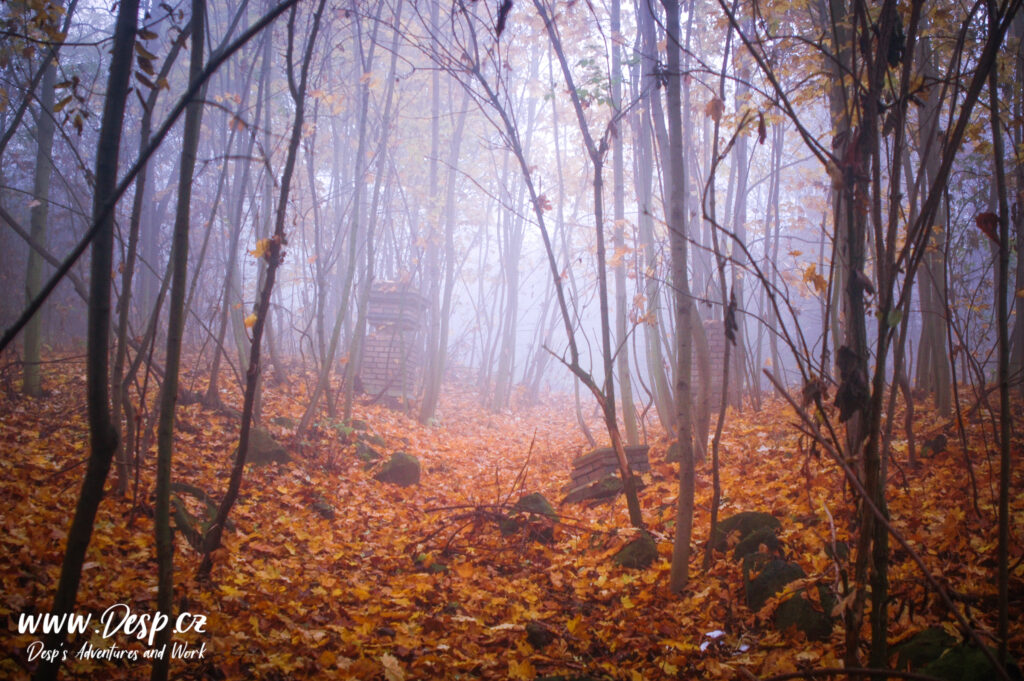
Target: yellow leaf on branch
(812, 277)
(262, 248)
(714, 109)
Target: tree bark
(597, 152)
(121, 400)
(212, 539)
(643, 177)
(1003, 357)
(175, 330)
(347, 274)
(102, 435)
(619, 241)
(31, 382)
(679, 574)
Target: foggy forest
(563, 340)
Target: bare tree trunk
(212, 539)
(348, 272)
(175, 330)
(31, 382)
(433, 268)
(643, 177)
(238, 193)
(435, 373)
(511, 239)
(774, 232)
(102, 435)
(619, 243)
(679, 575)
(238, 196)
(728, 305)
(1016, 368)
(700, 402)
(562, 232)
(739, 221)
(1003, 353)
(356, 350)
(597, 152)
(121, 400)
(933, 370)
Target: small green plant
(339, 427)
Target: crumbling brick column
(392, 353)
(714, 329)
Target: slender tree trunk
(933, 370)
(1003, 357)
(679, 575)
(31, 382)
(597, 152)
(348, 272)
(775, 231)
(433, 268)
(738, 258)
(175, 330)
(212, 539)
(643, 177)
(439, 351)
(619, 243)
(563, 233)
(728, 305)
(121, 400)
(356, 351)
(102, 435)
(1016, 368)
(700, 260)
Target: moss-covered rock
(798, 611)
(753, 541)
(535, 503)
(674, 452)
(967, 663)
(745, 523)
(923, 647)
(366, 453)
(507, 525)
(401, 469)
(533, 513)
(765, 576)
(639, 553)
(374, 440)
(264, 449)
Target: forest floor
(329, 573)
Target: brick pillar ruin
(714, 329)
(392, 353)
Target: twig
(880, 517)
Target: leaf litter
(328, 573)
